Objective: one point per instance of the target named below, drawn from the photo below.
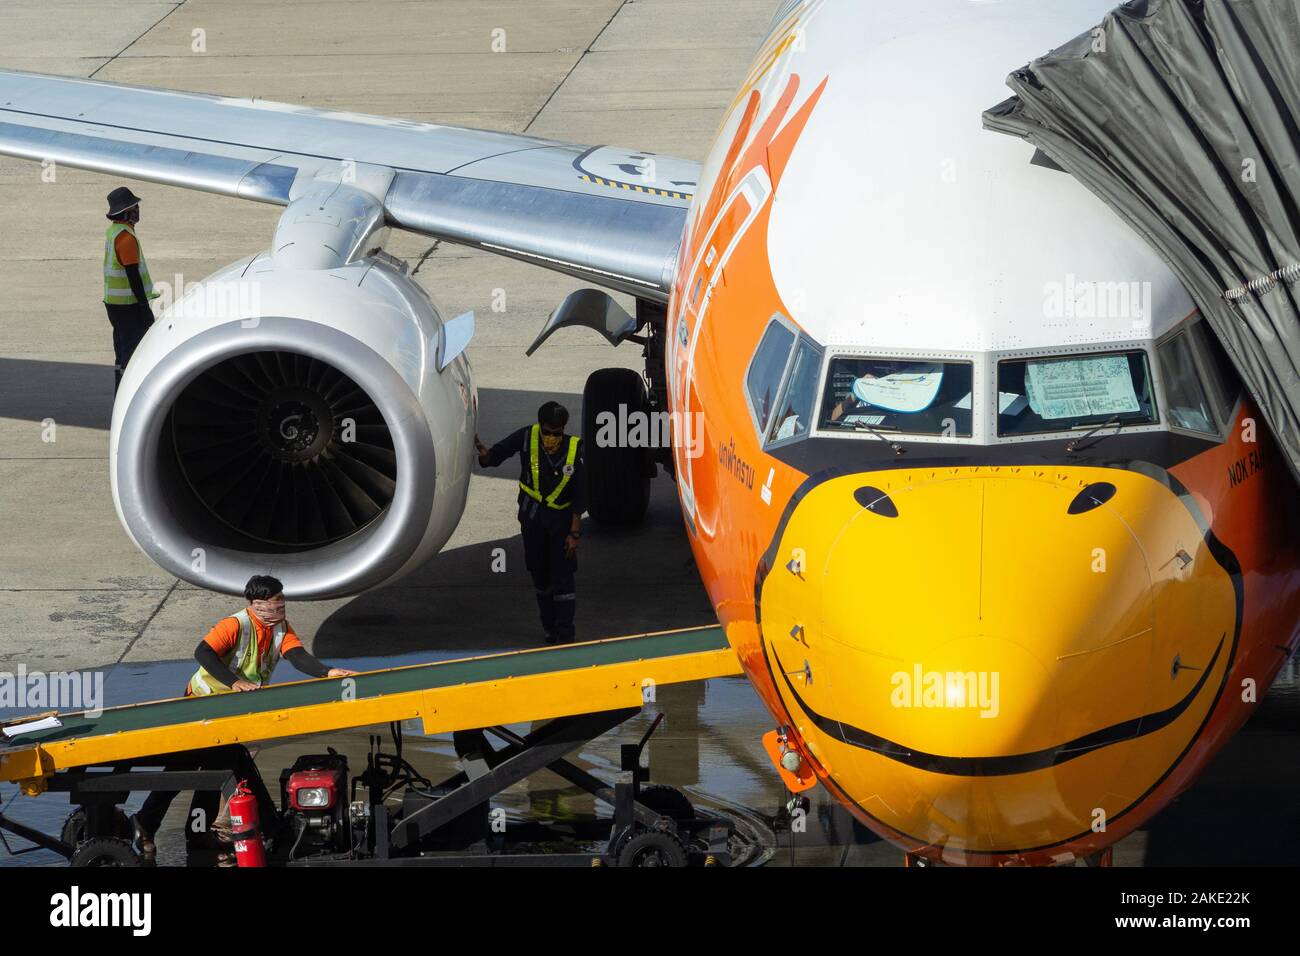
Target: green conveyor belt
(377, 684)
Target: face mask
(268, 612)
(551, 443)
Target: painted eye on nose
(1092, 496)
(876, 501)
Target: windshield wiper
(898, 449)
(1076, 444)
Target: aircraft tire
(618, 477)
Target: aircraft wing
(464, 694)
(604, 214)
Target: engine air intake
(284, 449)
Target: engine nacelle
(294, 422)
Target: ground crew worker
(238, 654)
(552, 498)
(232, 660)
(127, 286)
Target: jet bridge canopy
(1182, 115)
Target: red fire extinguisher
(245, 827)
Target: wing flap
(631, 247)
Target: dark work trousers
(232, 757)
(552, 572)
(130, 323)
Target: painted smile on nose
(1012, 763)
(1096, 600)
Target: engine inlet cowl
(296, 430)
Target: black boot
(144, 840)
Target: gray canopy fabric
(1184, 117)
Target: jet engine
(313, 423)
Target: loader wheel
(105, 851)
(652, 849)
(618, 477)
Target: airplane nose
(989, 574)
(974, 651)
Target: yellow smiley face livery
(990, 657)
(1007, 558)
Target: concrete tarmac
(649, 74)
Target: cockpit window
(930, 397)
(795, 407)
(766, 372)
(1186, 403)
(1060, 394)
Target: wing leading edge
(603, 214)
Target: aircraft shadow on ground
(628, 582)
(71, 393)
(457, 601)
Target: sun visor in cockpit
(1072, 388)
(911, 391)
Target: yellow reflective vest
(244, 660)
(117, 287)
(534, 490)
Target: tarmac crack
(149, 620)
(576, 63)
(114, 57)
